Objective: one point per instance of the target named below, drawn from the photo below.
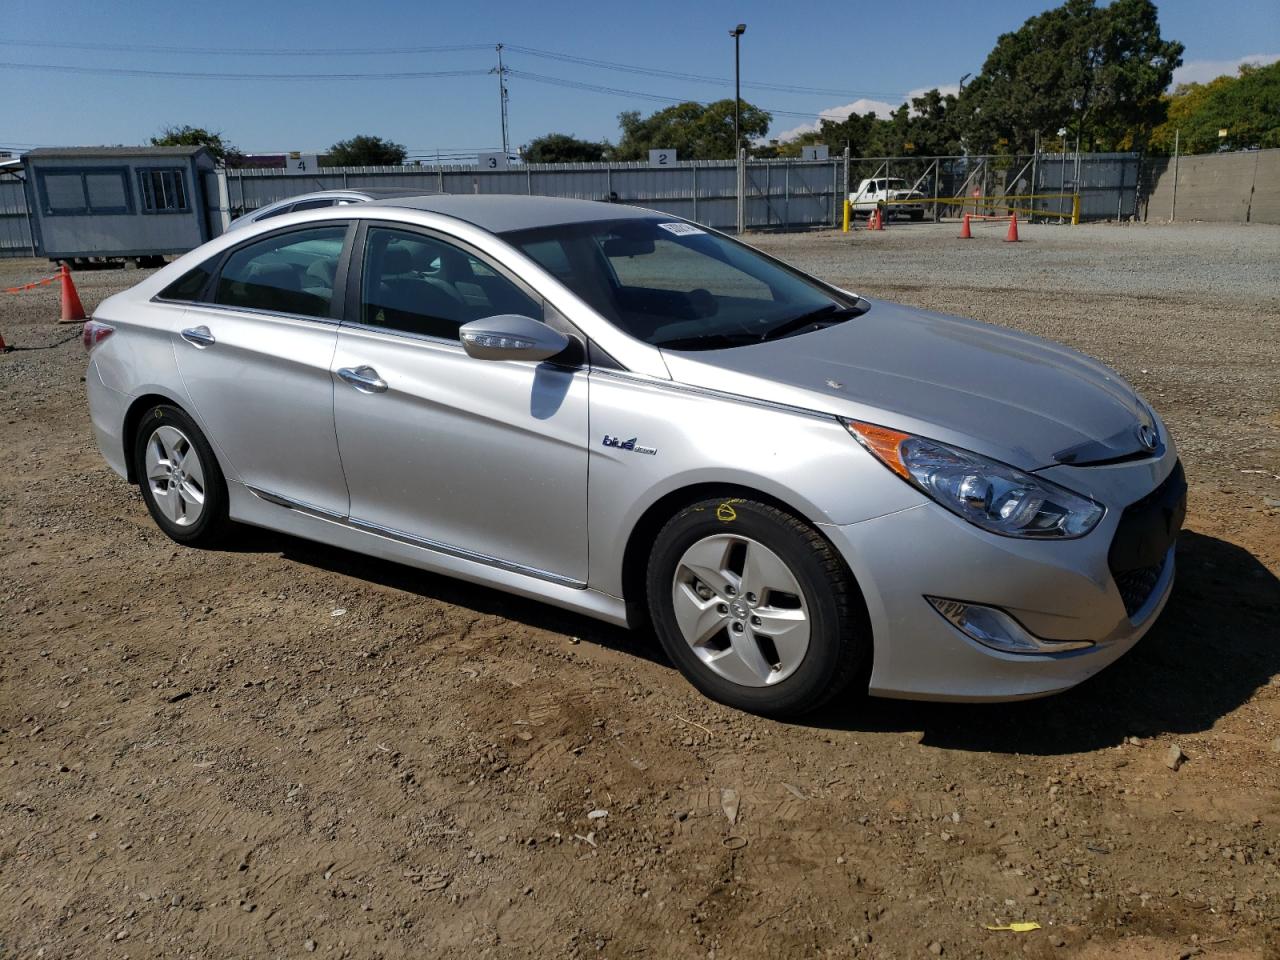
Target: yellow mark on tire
(726, 513)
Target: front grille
(1146, 531)
(1136, 586)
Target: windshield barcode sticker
(681, 229)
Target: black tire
(212, 524)
(917, 215)
(838, 644)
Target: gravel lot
(282, 749)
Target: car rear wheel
(181, 482)
(754, 607)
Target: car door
(255, 357)
(478, 458)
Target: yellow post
(847, 209)
(1075, 209)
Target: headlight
(987, 493)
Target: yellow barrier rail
(994, 202)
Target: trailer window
(86, 190)
(163, 191)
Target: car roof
(502, 213)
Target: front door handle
(365, 379)
(199, 336)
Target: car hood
(1025, 401)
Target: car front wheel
(181, 482)
(754, 607)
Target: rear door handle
(199, 336)
(365, 379)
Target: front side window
(418, 284)
(163, 191)
(288, 273)
(675, 285)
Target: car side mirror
(510, 336)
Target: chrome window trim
(251, 311)
(352, 326)
(435, 546)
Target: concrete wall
(1232, 187)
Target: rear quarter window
(188, 287)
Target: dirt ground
(281, 749)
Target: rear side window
(188, 287)
(288, 273)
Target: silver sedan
(798, 489)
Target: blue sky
(850, 55)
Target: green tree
(189, 136)
(564, 148)
(1246, 106)
(694, 130)
(1097, 71)
(364, 151)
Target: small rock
(597, 814)
(1059, 940)
(309, 946)
(1175, 757)
(575, 639)
(339, 612)
(935, 948)
(1275, 745)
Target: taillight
(95, 331)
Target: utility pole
(737, 33)
(501, 71)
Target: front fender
(806, 461)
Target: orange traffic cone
(72, 310)
(965, 233)
(3, 347)
(1012, 236)
(879, 219)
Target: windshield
(674, 285)
(895, 185)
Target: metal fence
(1041, 185)
(778, 193)
(775, 194)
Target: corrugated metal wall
(780, 193)
(15, 229)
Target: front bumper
(1058, 590)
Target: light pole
(737, 33)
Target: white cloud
(1202, 71)
(861, 106)
(837, 114)
(942, 88)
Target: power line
(191, 75)
(446, 48)
(691, 77)
(616, 91)
(247, 51)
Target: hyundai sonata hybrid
(799, 489)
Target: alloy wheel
(175, 475)
(741, 610)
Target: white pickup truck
(873, 193)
